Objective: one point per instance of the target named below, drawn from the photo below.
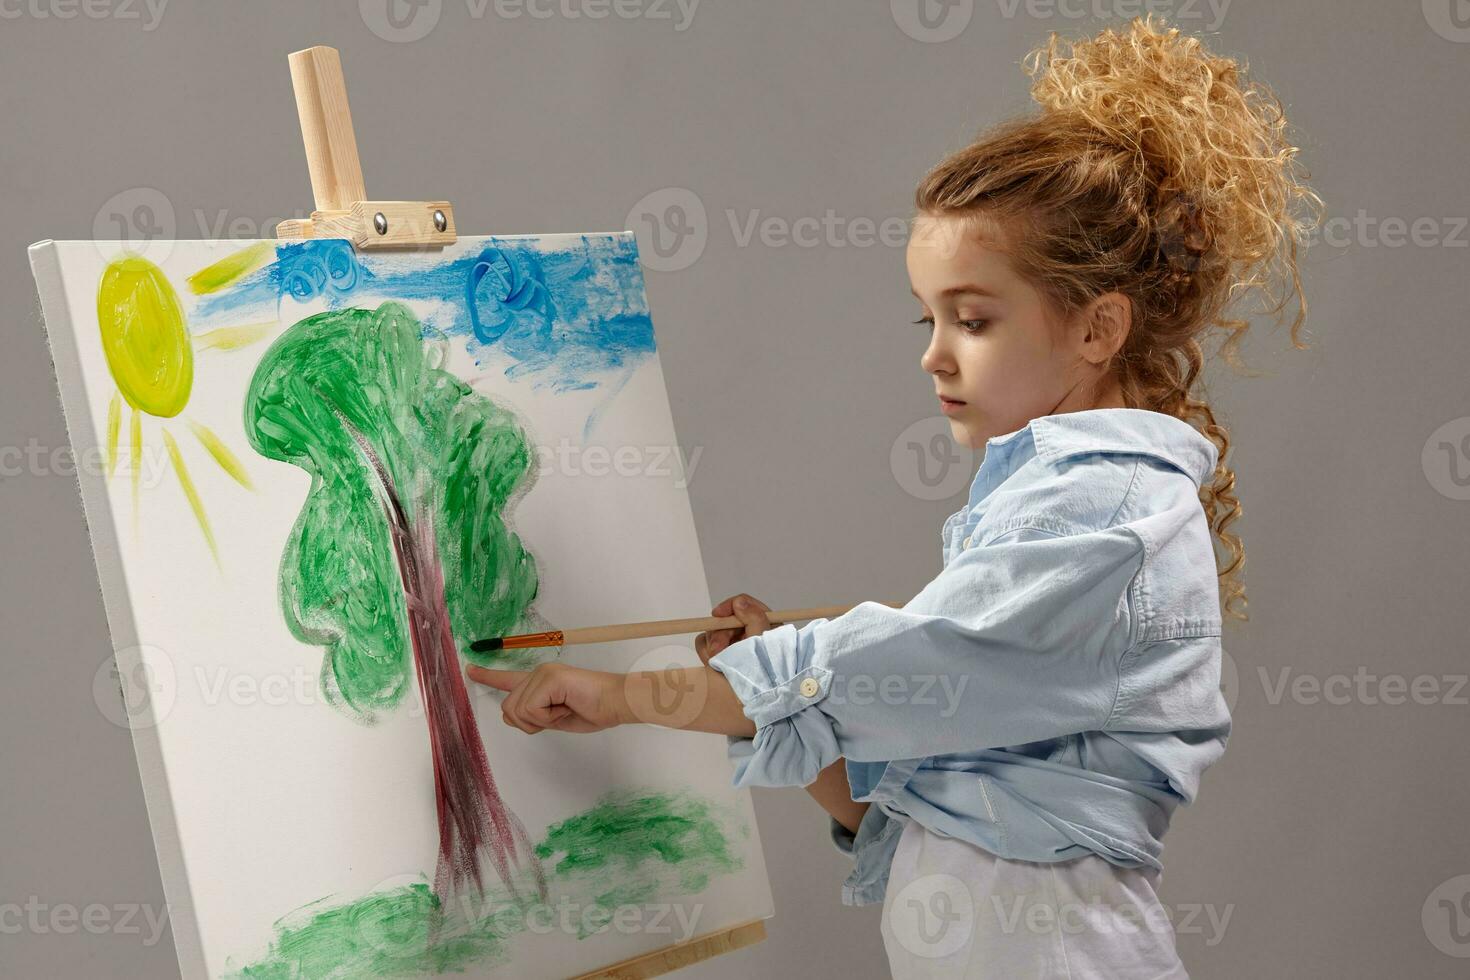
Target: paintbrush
(658, 627)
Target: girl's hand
(559, 697)
(752, 613)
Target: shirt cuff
(771, 674)
(777, 685)
(738, 748)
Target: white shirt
(954, 911)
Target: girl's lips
(949, 404)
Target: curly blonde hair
(1154, 168)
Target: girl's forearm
(693, 698)
(832, 791)
(700, 699)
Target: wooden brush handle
(699, 624)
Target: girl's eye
(971, 326)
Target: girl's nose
(937, 359)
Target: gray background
(793, 371)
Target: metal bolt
(440, 222)
(380, 222)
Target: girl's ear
(1105, 326)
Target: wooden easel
(342, 212)
(336, 173)
(680, 955)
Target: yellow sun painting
(150, 354)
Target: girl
(1002, 755)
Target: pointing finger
(501, 680)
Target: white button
(966, 542)
(810, 687)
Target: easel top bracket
(342, 208)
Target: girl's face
(997, 358)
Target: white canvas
(271, 806)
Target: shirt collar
(1098, 430)
(1127, 430)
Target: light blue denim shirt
(1053, 692)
